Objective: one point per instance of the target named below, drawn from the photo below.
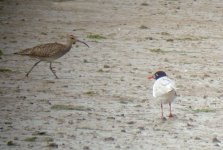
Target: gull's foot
(163, 118)
(170, 115)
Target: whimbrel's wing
(44, 50)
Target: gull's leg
(161, 105)
(170, 115)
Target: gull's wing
(163, 86)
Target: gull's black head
(159, 74)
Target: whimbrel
(165, 89)
(49, 52)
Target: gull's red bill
(150, 77)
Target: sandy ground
(104, 98)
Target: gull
(164, 89)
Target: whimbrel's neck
(69, 45)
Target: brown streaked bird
(49, 52)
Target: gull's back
(162, 86)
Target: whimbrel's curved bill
(82, 42)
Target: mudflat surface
(103, 100)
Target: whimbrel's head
(74, 40)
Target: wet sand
(103, 99)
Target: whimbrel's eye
(72, 37)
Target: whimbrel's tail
(23, 52)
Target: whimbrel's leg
(27, 74)
(170, 115)
(53, 71)
(161, 110)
